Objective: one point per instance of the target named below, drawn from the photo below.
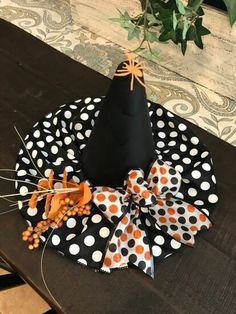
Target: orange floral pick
(132, 68)
(70, 200)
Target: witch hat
(122, 137)
(120, 180)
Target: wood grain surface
(214, 67)
(35, 79)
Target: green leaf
(175, 21)
(151, 55)
(167, 35)
(185, 29)
(180, 6)
(195, 4)
(231, 7)
(133, 33)
(151, 36)
(183, 46)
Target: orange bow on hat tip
(132, 68)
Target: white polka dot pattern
(57, 142)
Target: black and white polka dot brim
(115, 235)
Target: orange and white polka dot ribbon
(154, 197)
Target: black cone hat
(122, 136)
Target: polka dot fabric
(155, 197)
(56, 143)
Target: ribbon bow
(128, 207)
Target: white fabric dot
(87, 133)
(175, 157)
(187, 161)
(192, 192)
(213, 178)
(34, 153)
(96, 218)
(67, 114)
(82, 261)
(196, 174)
(55, 120)
(193, 152)
(58, 133)
(39, 163)
(87, 100)
(171, 124)
(89, 240)
(47, 172)
(160, 144)
(23, 190)
(74, 249)
(41, 144)
(29, 145)
(54, 149)
(20, 204)
(32, 211)
(21, 173)
(198, 202)
(78, 126)
(161, 134)
(180, 195)
(71, 223)
(182, 127)
(169, 114)
(37, 134)
(33, 172)
(206, 211)
(159, 112)
(96, 100)
(205, 186)
(69, 169)
(179, 168)
(156, 250)
(175, 244)
(206, 167)
(183, 148)
(90, 107)
(67, 140)
(160, 124)
(84, 116)
(212, 198)
(104, 232)
(194, 140)
(80, 136)
(55, 239)
(97, 256)
(159, 240)
(173, 134)
(49, 139)
(47, 124)
(172, 143)
(70, 236)
(204, 154)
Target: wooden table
(34, 79)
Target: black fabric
(122, 136)
(58, 141)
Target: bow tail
(129, 245)
(180, 220)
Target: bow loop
(163, 180)
(139, 189)
(111, 202)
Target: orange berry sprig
(67, 209)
